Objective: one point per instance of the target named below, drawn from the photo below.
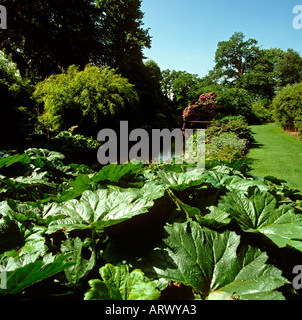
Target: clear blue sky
(185, 33)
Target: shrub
(90, 99)
(226, 147)
(231, 118)
(262, 111)
(204, 108)
(237, 126)
(288, 107)
(234, 102)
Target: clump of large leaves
(213, 263)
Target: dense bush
(90, 99)
(237, 126)
(17, 112)
(234, 102)
(226, 147)
(288, 107)
(262, 111)
(202, 109)
(220, 103)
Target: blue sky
(185, 33)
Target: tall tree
(43, 36)
(261, 79)
(234, 58)
(124, 36)
(289, 68)
(180, 86)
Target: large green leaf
(27, 270)
(103, 208)
(210, 262)
(8, 161)
(232, 181)
(82, 264)
(115, 172)
(35, 153)
(179, 181)
(119, 284)
(111, 173)
(258, 211)
(19, 228)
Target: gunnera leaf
(120, 284)
(258, 212)
(103, 208)
(210, 262)
(28, 270)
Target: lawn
(275, 153)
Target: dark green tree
(234, 58)
(17, 108)
(180, 86)
(261, 79)
(124, 36)
(289, 68)
(43, 36)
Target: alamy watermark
(297, 281)
(3, 17)
(3, 278)
(147, 147)
(297, 22)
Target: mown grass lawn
(275, 153)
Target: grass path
(276, 153)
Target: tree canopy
(235, 57)
(45, 36)
(90, 99)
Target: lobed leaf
(209, 261)
(258, 212)
(120, 284)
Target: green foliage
(262, 110)
(234, 58)
(259, 212)
(73, 26)
(124, 36)
(234, 102)
(91, 99)
(180, 86)
(235, 125)
(226, 147)
(16, 104)
(144, 228)
(287, 106)
(289, 68)
(120, 284)
(242, 274)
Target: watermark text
(3, 17)
(297, 22)
(140, 145)
(3, 278)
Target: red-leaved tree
(202, 109)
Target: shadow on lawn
(255, 145)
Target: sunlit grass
(276, 153)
